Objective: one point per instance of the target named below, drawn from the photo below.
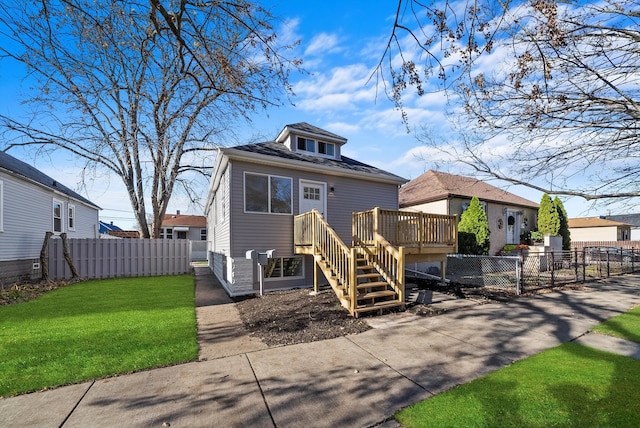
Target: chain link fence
(528, 271)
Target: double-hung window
(57, 216)
(71, 217)
(268, 194)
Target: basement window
(284, 268)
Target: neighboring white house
(257, 189)
(589, 229)
(438, 192)
(31, 204)
(182, 226)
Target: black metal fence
(530, 271)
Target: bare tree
(142, 87)
(548, 92)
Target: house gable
(311, 140)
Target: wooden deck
(369, 274)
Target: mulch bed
(295, 316)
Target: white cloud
(321, 44)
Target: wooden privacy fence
(112, 258)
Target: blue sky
(341, 43)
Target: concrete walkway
(356, 381)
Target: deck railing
(405, 228)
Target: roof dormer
(308, 139)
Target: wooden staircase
(369, 275)
(353, 273)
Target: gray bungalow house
(31, 204)
(257, 189)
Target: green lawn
(626, 326)
(95, 329)
(569, 386)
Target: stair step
(371, 285)
(376, 294)
(378, 306)
(368, 275)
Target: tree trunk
(67, 256)
(44, 257)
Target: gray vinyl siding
(356, 195)
(28, 216)
(218, 226)
(218, 232)
(265, 231)
(259, 231)
(262, 231)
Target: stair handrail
(341, 259)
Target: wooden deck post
(376, 222)
(353, 282)
(401, 276)
(315, 275)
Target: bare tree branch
(142, 88)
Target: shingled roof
(435, 186)
(280, 151)
(171, 220)
(305, 127)
(581, 222)
(28, 172)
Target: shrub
(473, 230)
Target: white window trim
(53, 219)
(316, 145)
(287, 278)
(71, 209)
(268, 212)
(1, 206)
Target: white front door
(313, 196)
(513, 227)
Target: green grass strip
(626, 326)
(95, 329)
(569, 386)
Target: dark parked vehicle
(612, 254)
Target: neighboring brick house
(181, 226)
(437, 192)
